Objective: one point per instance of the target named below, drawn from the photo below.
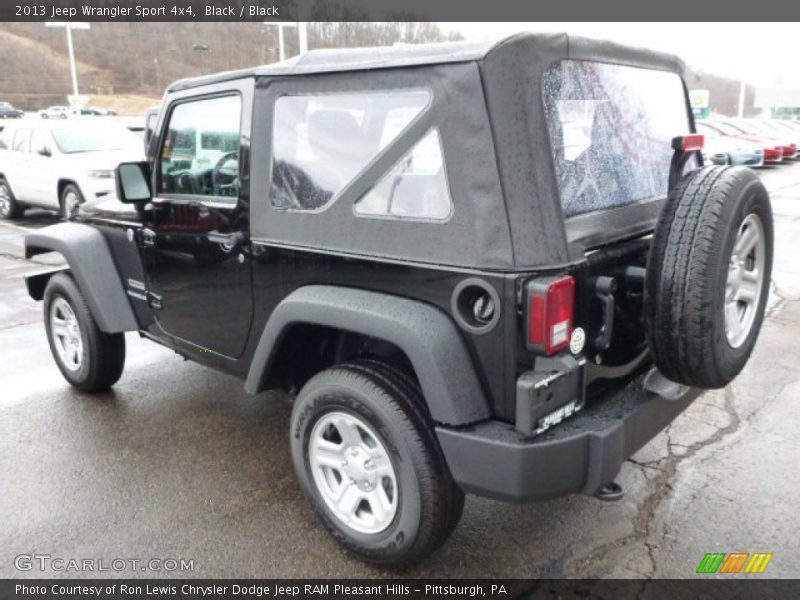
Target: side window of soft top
(414, 188)
(322, 142)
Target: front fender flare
(426, 334)
(90, 261)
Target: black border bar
(397, 10)
(733, 588)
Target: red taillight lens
(690, 143)
(551, 308)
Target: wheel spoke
(732, 321)
(747, 292)
(752, 276)
(59, 328)
(744, 244)
(379, 504)
(329, 454)
(349, 500)
(349, 432)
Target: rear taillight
(550, 313)
(690, 143)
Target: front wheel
(88, 358)
(366, 456)
(71, 200)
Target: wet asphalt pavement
(179, 463)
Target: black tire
(409, 388)
(103, 356)
(9, 207)
(429, 502)
(688, 270)
(69, 189)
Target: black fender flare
(90, 261)
(426, 334)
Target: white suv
(59, 165)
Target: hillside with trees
(142, 58)
(129, 64)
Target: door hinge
(148, 238)
(154, 301)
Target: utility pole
(69, 27)
(302, 36)
(742, 90)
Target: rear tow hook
(610, 493)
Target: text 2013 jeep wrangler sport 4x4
(489, 268)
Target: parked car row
(58, 165)
(750, 142)
(64, 112)
(8, 111)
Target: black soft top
(488, 107)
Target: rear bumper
(581, 455)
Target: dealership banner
(395, 589)
(394, 10)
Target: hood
(103, 161)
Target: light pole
(69, 27)
(742, 92)
(302, 36)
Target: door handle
(227, 241)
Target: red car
(772, 154)
(749, 128)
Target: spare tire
(708, 276)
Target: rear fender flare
(90, 261)
(426, 334)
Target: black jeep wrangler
(489, 268)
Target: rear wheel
(9, 207)
(708, 276)
(88, 358)
(366, 455)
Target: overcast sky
(760, 53)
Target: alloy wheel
(745, 281)
(66, 332)
(353, 472)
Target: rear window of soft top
(610, 129)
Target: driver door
(195, 239)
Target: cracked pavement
(178, 462)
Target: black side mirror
(133, 182)
(44, 151)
